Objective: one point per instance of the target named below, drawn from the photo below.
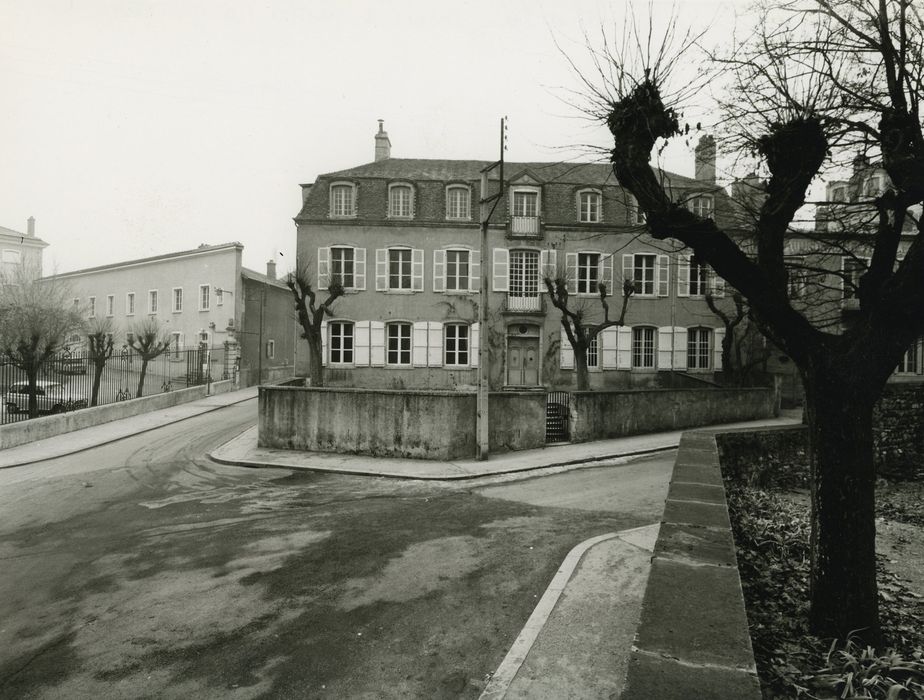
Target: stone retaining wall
(27, 431)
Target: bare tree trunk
(32, 376)
(843, 590)
(97, 377)
(580, 367)
(315, 367)
(144, 369)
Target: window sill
(402, 291)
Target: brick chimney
(705, 159)
(271, 269)
(382, 143)
(30, 226)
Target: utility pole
(488, 205)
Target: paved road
(142, 569)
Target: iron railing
(66, 381)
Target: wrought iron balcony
(525, 226)
(525, 303)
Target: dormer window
(874, 186)
(526, 203)
(400, 202)
(342, 200)
(458, 203)
(590, 204)
(839, 193)
(703, 205)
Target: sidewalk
(88, 438)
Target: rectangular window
(399, 201)
(177, 299)
(399, 344)
(635, 214)
(643, 274)
(76, 303)
(205, 297)
(92, 304)
(589, 207)
(342, 262)
(130, 304)
(175, 343)
(588, 270)
(271, 349)
(456, 345)
(110, 305)
(524, 273)
(796, 276)
(593, 354)
(699, 277)
(457, 273)
(341, 342)
(698, 348)
(525, 203)
(152, 301)
(219, 297)
(909, 361)
(12, 257)
(458, 203)
(341, 200)
(399, 268)
(702, 206)
(853, 269)
(643, 348)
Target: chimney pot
(271, 269)
(705, 159)
(382, 143)
(30, 226)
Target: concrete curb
(459, 473)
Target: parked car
(52, 397)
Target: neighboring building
(21, 253)
(200, 296)
(403, 236)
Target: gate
(557, 411)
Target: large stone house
(403, 237)
(202, 296)
(21, 253)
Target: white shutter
(474, 271)
(571, 272)
(377, 343)
(548, 267)
(609, 343)
(680, 348)
(417, 270)
(439, 270)
(361, 343)
(624, 348)
(717, 338)
(665, 347)
(628, 267)
(419, 347)
(501, 270)
(566, 352)
(474, 346)
(717, 284)
(359, 268)
(381, 270)
(664, 276)
(324, 343)
(434, 344)
(323, 268)
(683, 276)
(605, 273)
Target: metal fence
(66, 381)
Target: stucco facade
(197, 296)
(21, 252)
(404, 237)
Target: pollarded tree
(150, 342)
(744, 349)
(36, 315)
(576, 319)
(817, 77)
(311, 314)
(99, 339)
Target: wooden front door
(523, 361)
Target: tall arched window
(458, 203)
(400, 201)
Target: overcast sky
(131, 128)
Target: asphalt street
(143, 569)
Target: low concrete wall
(693, 640)
(419, 424)
(27, 431)
(597, 415)
(516, 421)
